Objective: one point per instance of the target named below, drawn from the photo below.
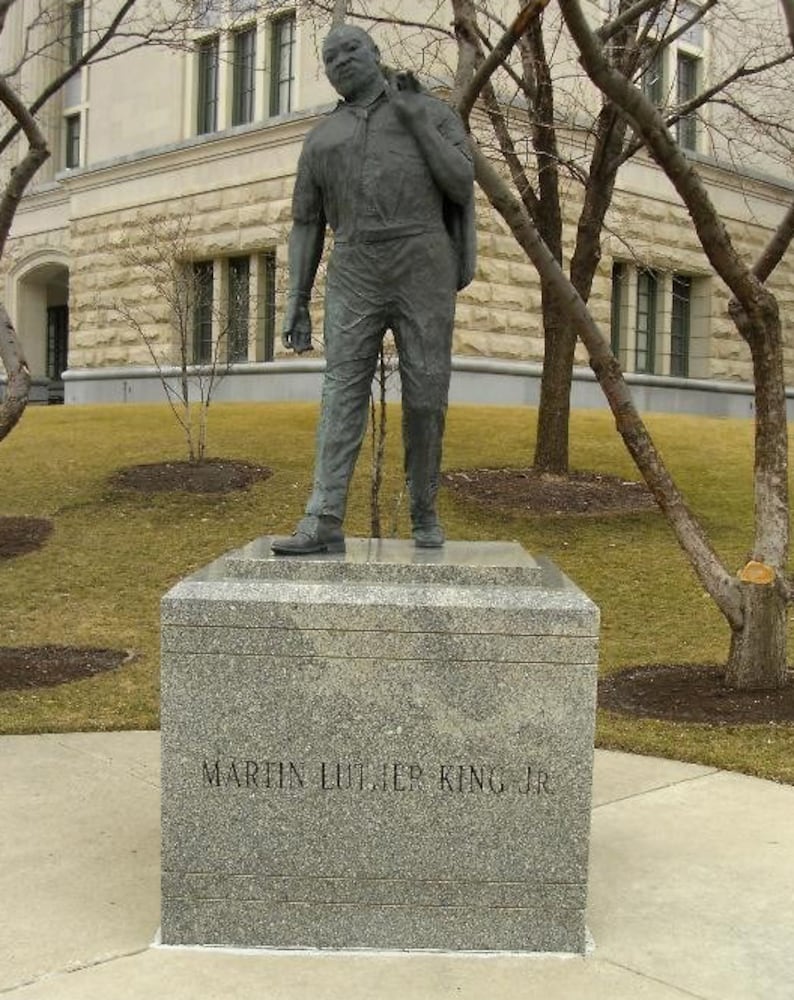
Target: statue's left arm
(442, 139)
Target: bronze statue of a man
(390, 171)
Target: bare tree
(190, 340)
(753, 601)
(387, 372)
(633, 42)
(116, 33)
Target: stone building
(186, 150)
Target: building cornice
(194, 151)
(49, 196)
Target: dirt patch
(214, 475)
(526, 490)
(20, 535)
(24, 667)
(683, 692)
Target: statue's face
(352, 61)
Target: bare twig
(710, 95)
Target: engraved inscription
(358, 776)
(470, 778)
(400, 777)
(268, 774)
(536, 782)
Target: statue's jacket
(362, 173)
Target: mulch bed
(213, 475)
(25, 667)
(528, 491)
(20, 535)
(682, 692)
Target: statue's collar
(367, 104)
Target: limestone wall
(235, 194)
(221, 222)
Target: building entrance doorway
(42, 322)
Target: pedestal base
(390, 748)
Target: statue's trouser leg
(408, 285)
(423, 432)
(423, 323)
(354, 328)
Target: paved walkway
(691, 894)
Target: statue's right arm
(305, 250)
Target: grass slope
(112, 555)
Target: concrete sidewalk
(691, 894)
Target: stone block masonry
(390, 748)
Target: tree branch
(17, 376)
(509, 154)
(684, 28)
(22, 174)
(697, 102)
(648, 123)
(788, 13)
(498, 54)
(521, 82)
(68, 73)
(400, 22)
(5, 6)
(631, 14)
(687, 529)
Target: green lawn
(99, 579)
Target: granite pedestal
(390, 748)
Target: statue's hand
(296, 334)
(405, 96)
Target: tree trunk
(339, 13)
(552, 440)
(559, 340)
(17, 374)
(379, 432)
(714, 577)
(758, 653)
(757, 658)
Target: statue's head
(352, 60)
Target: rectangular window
(267, 270)
(238, 308)
(76, 24)
(72, 145)
(686, 89)
(680, 325)
(616, 318)
(207, 120)
(652, 79)
(645, 350)
(203, 276)
(282, 64)
(243, 76)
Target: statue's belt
(384, 233)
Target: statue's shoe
(428, 536)
(313, 534)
